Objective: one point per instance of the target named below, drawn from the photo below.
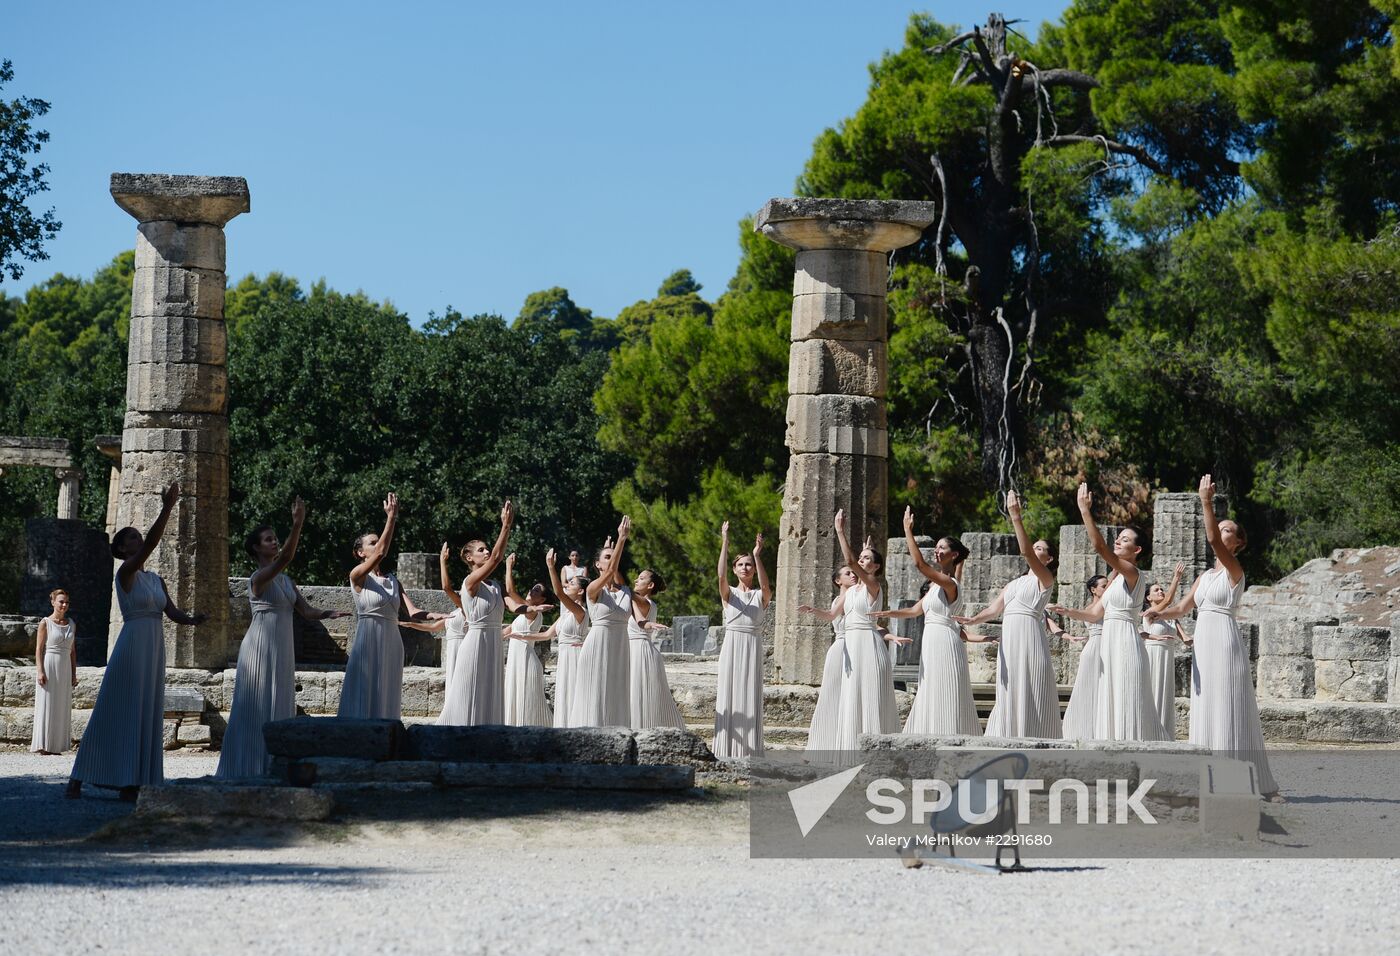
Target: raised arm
(935, 574)
(566, 603)
(126, 574)
(872, 583)
(381, 547)
(445, 576)
(1023, 541)
(1123, 566)
(1224, 555)
(1170, 596)
(1178, 610)
(265, 575)
(724, 564)
(498, 550)
(763, 584)
(514, 602)
(595, 587)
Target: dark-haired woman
(374, 673)
(265, 685)
(121, 748)
(943, 704)
(598, 696)
(651, 702)
(478, 674)
(1224, 713)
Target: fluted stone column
(69, 484)
(176, 425)
(836, 432)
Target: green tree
(22, 235)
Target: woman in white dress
(525, 702)
(374, 672)
(264, 686)
(1083, 705)
(1224, 713)
(652, 704)
(570, 628)
(478, 677)
(1125, 710)
(56, 660)
(943, 704)
(1161, 641)
(122, 747)
(739, 694)
(599, 693)
(574, 570)
(821, 736)
(1028, 702)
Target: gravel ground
(536, 873)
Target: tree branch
(1071, 78)
(1112, 146)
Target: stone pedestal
(176, 425)
(836, 433)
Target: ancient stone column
(111, 446)
(1179, 535)
(176, 425)
(69, 482)
(836, 432)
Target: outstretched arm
(1123, 566)
(1224, 555)
(567, 603)
(872, 583)
(838, 608)
(990, 613)
(1023, 541)
(763, 584)
(514, 602)
(381, 547)
(724, 564)
(446, 577)
(913, 610)
(179, 616)
(595, 587)
(305, 610)
(947, 582)
(264, 575)
(498, 551)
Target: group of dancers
(610, 673)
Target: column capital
(161, 197)
(868, 225)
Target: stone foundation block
(836, 424)
(222, 801)
(822, 271)
(837, 315)
(334, 737)
(1351, 680)
(1348, 642)
(836, 367)
(553, 776)
(493, 744)
(181, 245)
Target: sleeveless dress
(1028, 702)
(821, 736)
(525, 703)
(122, 746)
(739, 693)
(265, 685)
(374, 673)
(651, 702)
(53, 705)
(1224, 713)
(599, 689)
(867, 694)
(478, 680)
(453, 631)
(571, 633)
(943, 704)
(1161, 661)
(1125, 710)
(1084, 699)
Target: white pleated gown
(943, 704)
(867, 693)
(1224, 713)
(651, 702)
(571, 631)
(264, 686)
(1124, 709)
(525, 701)
(1028, 702)
(374, 672)
(600, 687)
(122, 746)
(739, 693)
(478, 677)
(1083, 705)
(453, 631)
(826, 716)
(53, 705)
(1161, 663)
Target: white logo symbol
(811, 801)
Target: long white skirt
(867, 693)
(1125, 708)
(374, 672)
(1161, 662)
(943, 704)
(53, 705)
(264, 689)
(477, 694)
(739, 696)
(123, 743)
(450, 648)
(565, 674)
(1028, 702)
(1083, 706)
(826, 716)
(651, 702)
(599, 696)
(525, 703)
(1224, 713)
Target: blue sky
(452, 153)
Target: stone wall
(77, 558)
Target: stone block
(672, 746)
(311, 691)
(184, 387)
(821, 271)
(331, 769)
(1351, 680)
(871, 225)
(407, 771)
(181, 701)
(418, 570)
(212, 441)
(1352, 722)
(200, 475)
(178, 339)
(181, 245)
(193, 734)
(836, 424)
(334, 737)
(1290, 636)
(212, 200)
(220, 801)
(1392, 680)
(568, 776)
(159, 290)
(18, 634)
(170, 735)
(1348, 642)
(1281, 721)
(1285, 677)
(19, 686)
(837, 367)
(832, 315)
(416, 685)
(495, 744)
(690, 632)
